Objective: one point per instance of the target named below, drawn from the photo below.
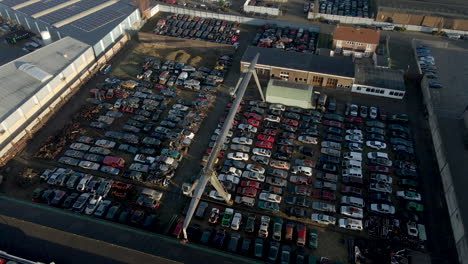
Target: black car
(299, 201)
(287, 135)
(409, 216)
(327, 167)
(306, 150)
(287, 142)
(380, 197)
(294, 116)
(332, 137)
(296, 211)
(309, 132)
(282, 156)
(68, 202)
(399, 134)
(329, 159)
(333, 130)
(375, 137)
(435, 85)
(269, 124)
(406, 173)
(289, 128)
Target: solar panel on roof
(41, 6)
(96, 20)
(69, 11)
(11, 3)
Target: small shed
(289, 93)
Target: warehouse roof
(363, 35)
(86, 20)
(300, 61)
(51, 59)
(380, 77)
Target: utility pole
(208, 173)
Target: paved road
(47, 234)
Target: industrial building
(98, 23)
(379, 81)
(43, 80)
(325, 72)
(298, 94)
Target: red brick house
(357, 42)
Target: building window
(358, 88)
(305, 80)
(332, 82)
(317, 80)
(372, 90)
(382, 91)
(367, 89)
(391, 93)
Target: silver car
(69, 161)
(88, 165)
(323, 219)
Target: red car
(251, 184)
(159, 87)
(220, 155)
(234, 38)
(324, 195)
(253, 116)
(300, 180)
(253, 122)
(178, 229)
(270, 132)
(380, 169)
(290, 122)
(333, 124)
(266, 138)
(247, 191)
(354, 120)
(351, 190)
(264, 144)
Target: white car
(270, 197)
(242, 140)
(88, 165)
(238, 156)
(380, 187)
(180, 107)
(409, 195)
(353, 110)
(215, 195)
(262, 152)
(351, 224)
(104, 143)
(239, 147)
(308, 139)
(236, 221)
(302, 169)
(229, 177)
(354, 138)
(256, 168)
(251, 175)
(323, 219)
(356, 132)
(273, 118)
(352, 211)
(249, 128)
(373, 112)
(382, 209)
(235, 171)
(93, 204)
(378, 177)
(412, 228)
(264, 224)
(378, 145)
(279, 107)
(374, 155)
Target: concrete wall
(261, 9)
(459, 233)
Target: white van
(374, 155)
(349, 223)
(351, 173)
(352, 156)
(351, 164)
(353, 201)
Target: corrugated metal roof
(50, 59)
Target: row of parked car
(199, 28)
(290, 39)
(353, 8)
(92, 195)
(428, 66)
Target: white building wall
(377, 91)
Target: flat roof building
(379, 81)
(289, 93)
(298, 67)
(40, 81)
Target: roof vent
(35, 72)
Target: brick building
(357, 42)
